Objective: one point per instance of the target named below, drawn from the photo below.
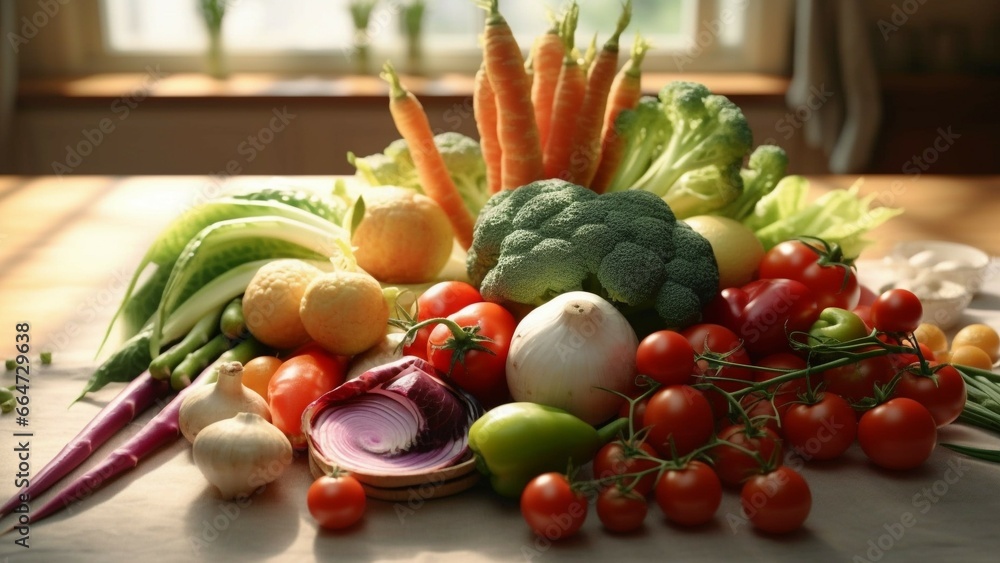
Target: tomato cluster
(728, 401)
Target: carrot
(547, 59)
(570, 92)
(412, 123)
(131, 401)
(586, 146)
(484, 107)
(625, 93)
(521, 152)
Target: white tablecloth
(946, 510)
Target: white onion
(563, 350)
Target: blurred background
(290, 86)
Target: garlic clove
(220, 400)
(241, 454)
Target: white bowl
(945, 312)
(960, 263)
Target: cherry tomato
(678, 415)
(621, 510)
(857, 381)
(336, 502)
(833, 285)
(897, 310)
(618, 458)
(297, 382)
(667, 357)
(689, 496)
(777, 502)
(439, 300)
(444, 298)
(716, 339)
(898, 434)
(552, 508)
(481, 373)
(761, 412)
(943, 395)
(732, 464)
(822, 430)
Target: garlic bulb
(562, 351)
(220, 400)
(242, 453)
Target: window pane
(275, 25)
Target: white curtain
(835, 81)
(8, 86)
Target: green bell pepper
(838, 325)
(515, 442)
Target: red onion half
(396, 419)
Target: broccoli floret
(552, 237)
(707, 136)
(462, 156)
(765, 168)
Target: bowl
(960, 263)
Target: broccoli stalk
(705, 130)
(644, 129)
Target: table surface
(68, 247)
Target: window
(316, 35)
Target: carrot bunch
(571, 100)
(550, 116)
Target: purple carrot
(163, 429)
(135, 398)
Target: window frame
(77, 45)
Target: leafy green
(838, 216)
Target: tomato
(678, 416)
(822, 430)
(856, 381)
(689, 496)
(667, 357)
(707, 338)
(618, 458)
(552, 508)
(898, 434)
(621, 510)
(943, 395)
(897, 310)
(832, 280)
(299, 381)
(864, 312)
(257, 373)
(482, 373)
(439, 300)
(732, 464)
(932, 336)
(336, 502)
(777, 502)
(444, 298)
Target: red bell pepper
(763, 313)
